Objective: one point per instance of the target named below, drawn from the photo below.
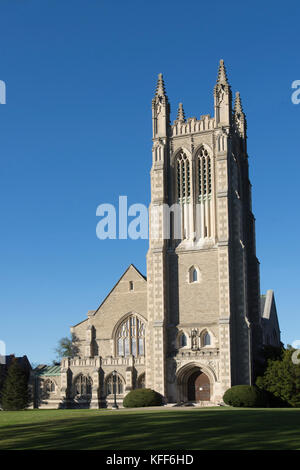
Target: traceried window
(130, 338)
(83, 385)
(183, 190)
(183, 177)
(110, 385)
(204, 193)
(49, 386)
(204, 174)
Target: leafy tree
(272, 352)
(67, 347)
(2, 378)
(15, 394)
(282, 380)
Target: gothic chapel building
(196, 325)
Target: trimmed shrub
(142, 397)
(247, 396)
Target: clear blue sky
(80, 77)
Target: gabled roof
(268, 307)
(91, 313)
(266, 304)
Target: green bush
(142, 397)
(247, 396)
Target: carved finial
(160, 110)
(239, 116)
(222, 95)
(222, 77)
(238, 108)
(180, 113)
(160, 87)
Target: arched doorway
(195, 383)
(198, 387)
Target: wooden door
(202, 387)
(198, 387)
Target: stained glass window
(131, 337)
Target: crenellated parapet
(192, 126)
(127, 361)
(81, 362)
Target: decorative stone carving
(195, 339)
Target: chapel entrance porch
(194, 385)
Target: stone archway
(198, 387)
(194, 383)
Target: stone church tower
(203, 283)
(196, 325)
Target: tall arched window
(130, 337)
(206, 339)
(183, 184)
(193, 274)
(182, 340)
(204, 174)
(204, 192)
(110, 385)
(183, 177)
(83, 385)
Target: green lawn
(164, 429)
